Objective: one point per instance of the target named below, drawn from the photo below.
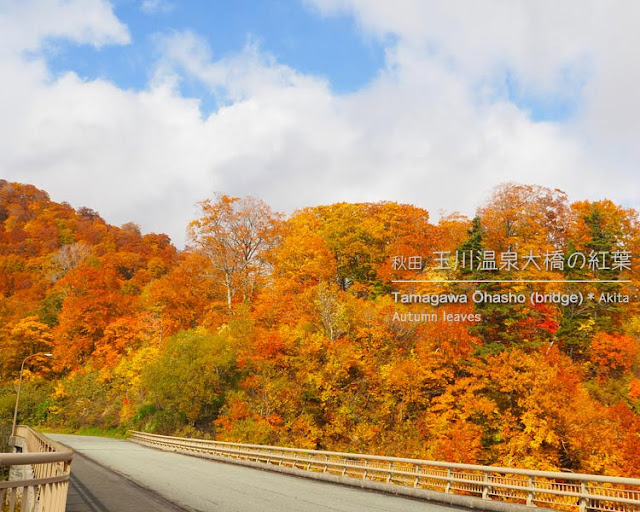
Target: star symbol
(591, 296)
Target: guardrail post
(389, 475)
(486, 488)
(531, 495)
(584, 500)
(449, 482)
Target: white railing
(488, 487)
(39, 476)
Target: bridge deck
(195, 484)
(94, 488)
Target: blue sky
(140, 108)
(292, 32)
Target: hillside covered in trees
(293, 331)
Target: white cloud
(539, 41)
(416, 133)
(249, 73)
(587, 51)
(420, 132)
(156, 6)
(26, 24)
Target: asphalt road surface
(113, 475)
(93, 488)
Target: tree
(522, 217)
(184, 296)
(598, 228)
(235, 235)
(519, 220)
(187, 383)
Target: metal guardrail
(39, 476)
(492, 485)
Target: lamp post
(15, 411)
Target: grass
(117, 433)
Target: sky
(139, 109)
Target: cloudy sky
(140, 108)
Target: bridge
(162, 473)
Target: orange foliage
(614, 352)
(291, 337)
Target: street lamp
(15, 411)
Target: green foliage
(81, 400)
(50, 308)
(601, 231)
(494, 316)
(187, 384)
(7, 401)
(34, 402)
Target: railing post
(531, 495)
(584, 500)
(12, 499)
(447, 489)
(25, 498)
(486, 488)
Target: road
(93, 488)
(120, 476)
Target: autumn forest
(287, 330)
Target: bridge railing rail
(556, 490)
(39, 475)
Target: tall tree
(235, 234)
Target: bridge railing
(494, 485)
(38, 476)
